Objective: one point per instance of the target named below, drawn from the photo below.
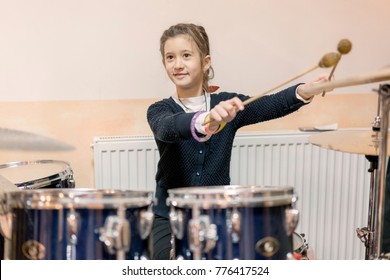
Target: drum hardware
(373, 143)
(371, 235)
(380, 183)
(300, 246)
(116, 234)
(33, 250)
(145, 223)
(5, 224)
(384, 256)
(73, 227)
(177, 222)
(202, 235)
(292, 218)
(364, 234)
(235, 225)
(267, 246)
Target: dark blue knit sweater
(184, 162)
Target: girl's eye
(169, 57)
(187, 55)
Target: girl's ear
(206, 63)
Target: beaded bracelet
(193, 132)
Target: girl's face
(183, 64)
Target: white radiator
(332, 187)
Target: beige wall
(76, 69)
(100, 49)
(77, 122)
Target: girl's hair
(198, 34)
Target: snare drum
(38, 174)
(79, 224)
(232, 222)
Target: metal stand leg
(372, 235)
(366, 234)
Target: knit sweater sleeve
(269, 107)
(168, 121)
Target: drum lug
(292, 218)
(176, 219)
(203, 235)
(6, 225)
(71, 183)
(5, 218)
(236, 225)
(116, 234)
(72, 221)
(145, 223)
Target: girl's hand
(300, 89)
(225, 111)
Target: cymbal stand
(384, 94)
(366, 234)
(371, 236)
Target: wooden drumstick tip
(344, 46)
(329, 60)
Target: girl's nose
(178, 64)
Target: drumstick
(343, 47)
(328, 60)
(373, 77)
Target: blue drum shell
(46, 232)
(40, 230)
(262, 212)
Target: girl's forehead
(180, 42)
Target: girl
(194, 130)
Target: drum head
(35, 174)
(231, 195)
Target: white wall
(101, 49)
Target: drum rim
(37, 183)
(231, 196)
(77, 198)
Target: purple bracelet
(193, 132)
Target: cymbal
(12, 139)
(6, 185)
(361, 141)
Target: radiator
(332, 187)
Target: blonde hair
(198, 34)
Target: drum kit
(43, 216)
(47, 218)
